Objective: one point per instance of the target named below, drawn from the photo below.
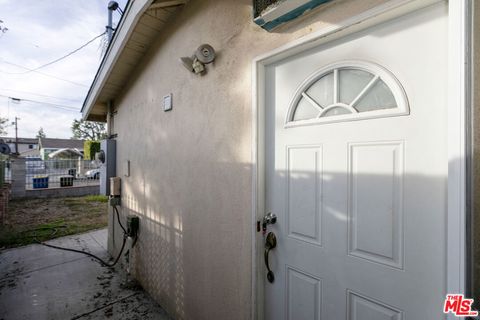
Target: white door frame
(459, 100)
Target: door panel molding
(296, 292)
(300, 160)
(356, 303)
(375, 228)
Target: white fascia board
(131, 16)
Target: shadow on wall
(157, 259)
(193, 236)
(410, 204)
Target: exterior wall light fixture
(204, 55)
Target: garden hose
(119, 222)
(88, 253)
(125, 236)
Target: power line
(41, 95)
(51, 105)
(54, 105)
(39, 72)
(65, 56)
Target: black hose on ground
(125, 236)
(88, 253)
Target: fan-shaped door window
(347, 91)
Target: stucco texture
(191, 169)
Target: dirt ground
(29, 220)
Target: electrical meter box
(108, 160)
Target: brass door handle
(270, 243)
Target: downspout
(112, 6)
(109, 119)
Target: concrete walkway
(37, 282)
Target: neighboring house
(24, 144)
(49, 145)
(348, 124)
(34, 153)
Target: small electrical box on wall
(115, 191)
(108, 159)
(115, 186)
(133, 224)
(126, 168)
(167, 102)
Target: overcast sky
(38, 33)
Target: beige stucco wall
(191, 172)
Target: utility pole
(16, 135)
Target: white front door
(356, 171)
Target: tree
(90, 148)
(88, 130)
(3, 130)
(41, 133)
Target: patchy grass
(44, 219)
(96, 198)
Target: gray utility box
(108, 169)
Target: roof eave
(132, 14)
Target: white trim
(337, 105)
(369, 86)
(458, 83)
(374, 69)
(311, 101)
(258, 183)
(459, 35)
(336, 83)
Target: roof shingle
(61, 143)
